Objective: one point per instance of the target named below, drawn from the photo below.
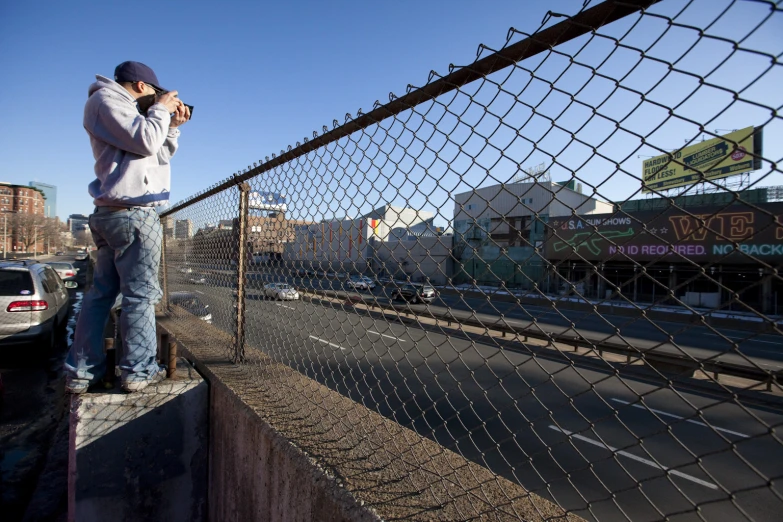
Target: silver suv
(33, 303)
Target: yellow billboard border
(672, 170)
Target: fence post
(163, 266)
(241, 250)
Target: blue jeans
(129, 248)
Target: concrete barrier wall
(286, 448)
(609, 308)
(257, 474)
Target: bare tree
(27, 228)
(83, 238)
(53, 234)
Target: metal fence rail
(561, 261)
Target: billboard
(711, 159)
(268, 201)
(703, 234)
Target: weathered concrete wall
(142, 456)
(256, 474)
(285, 448)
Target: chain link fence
(561, 261)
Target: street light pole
(5, 234)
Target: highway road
(606, 447)
(699, 341)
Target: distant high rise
(50, 193)
(78, 223)
(183, 229)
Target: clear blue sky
(263, 75)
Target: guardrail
(667, 364)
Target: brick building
(18, 205)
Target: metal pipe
(171, 367)
(542, 41)
(241, 250)
(164, 270)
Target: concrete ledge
(140, 456)
(284, 447)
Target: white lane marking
(692, 421)
(389, 336)
(284, 306)
(200, 292)
(636, 458)
(327, 342)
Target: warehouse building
(500, 230)
(349, 245)
(706, 250)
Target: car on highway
(197, 279)
(190, 302)
(415, 293)
(66, 271)
(361, 283)
(81, 255)
(281, 292)
(33, 304)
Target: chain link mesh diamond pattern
(508, 261)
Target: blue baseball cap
(136, 72)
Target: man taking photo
(133, 125)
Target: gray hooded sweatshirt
(132, 151)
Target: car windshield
(15, 282)
(283, 287)
(428, 289)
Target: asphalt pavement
(604, 446)
(34, 405)
(766, 350)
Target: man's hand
(181, 115)
(170, 100)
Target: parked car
(361, 283)
(66, 271)
(415, 294)
(281, 292)
(59, 253)
(33, 304)
(190, 302)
